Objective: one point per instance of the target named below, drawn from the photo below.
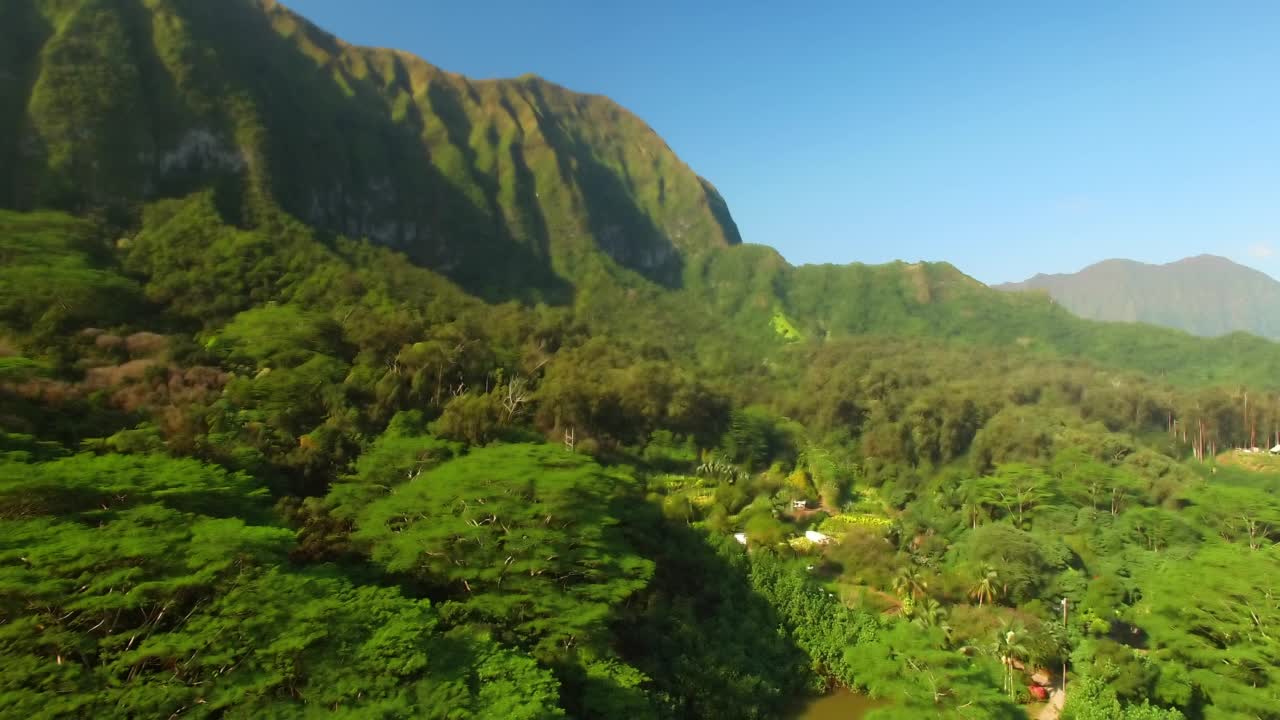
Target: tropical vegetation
(259, 460)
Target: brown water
(838, 705)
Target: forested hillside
(753, 285)
(509, 186)
(258, 463)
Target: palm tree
(973, 509)
(910, 582)
(931, 614)
(1009, 648)
(979, 498)
(988, 588)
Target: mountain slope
(500, 184)
(515, 188)
(1204, 295)
(249, 468)
(747, 285)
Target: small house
(816, 537)
(800, 504)
(741, 538)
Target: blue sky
(1008, 138)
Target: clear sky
(1008, 138)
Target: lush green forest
(258, 471)
(567, 449)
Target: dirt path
(1054, 708)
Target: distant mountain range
(1204, 295)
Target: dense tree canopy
(517, 534)
(249, 471)
(119, 596)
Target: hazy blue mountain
(1203, 295)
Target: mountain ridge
(1203, 259)
(498, 183)
(577, 203)
(1206, 295)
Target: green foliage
(1090, 699)
(55, 277)
(753, 438)
(26, 448)
(708, 641)
(782, 325)
(936, 300)
(893, 660)
(113, 483)
(499, 180)
(980, 455)
(118, 595)
(924, 679)
(598, 389)
(277, 336)
(341, 373)
(1016, 557)
(474, 418)
(666, 449)
(1212, 616)
(518, 534)
(842, 522)
(399, 455)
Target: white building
(741, 538)
(816, 537)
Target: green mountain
(750, 289)
(516, 189)
(1205, 295)
(502, 184)
(270, 445)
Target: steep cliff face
(113, 102)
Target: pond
(840, 704)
